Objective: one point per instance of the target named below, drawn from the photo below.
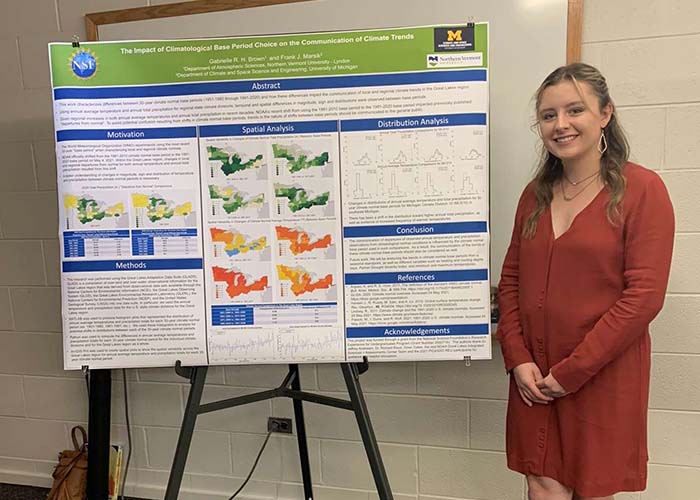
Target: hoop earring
(602, 142)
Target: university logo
(454, 39)
(454, 36)
(83, 64)
(455, 60)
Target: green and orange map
(90, 210)
(158, 208)
(236, 243)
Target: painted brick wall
(650, 53)
(440, 424)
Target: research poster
(272, 199)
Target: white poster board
(276, 199)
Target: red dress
(580, 306)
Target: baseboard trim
(25, 478)
(142, 491)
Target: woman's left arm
(649, 231)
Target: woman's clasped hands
(533, 387)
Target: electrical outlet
(278, 424)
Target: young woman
(584, 275)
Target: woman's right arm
(510, 332)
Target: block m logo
(454, 36)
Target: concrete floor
(16, 492)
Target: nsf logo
(83, 64)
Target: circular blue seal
(83, 64)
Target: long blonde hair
(550, 168)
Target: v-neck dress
(580, 306)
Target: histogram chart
(434, 145)
(363, 184)
(428, 162)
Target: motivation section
(129, 193)
(132, 263)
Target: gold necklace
(569, 198)
(576, 183)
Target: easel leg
(352, 382)
(199, 375)
(301, 435)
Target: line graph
(316, 344)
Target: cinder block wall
(440, 424)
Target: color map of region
(298, 197)
(233, 200)
(237, 283)
(300, 241)
(90, 210)
(236, 243)
(232, 163)
(298, 160)
(302, 282)
(157, 208)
